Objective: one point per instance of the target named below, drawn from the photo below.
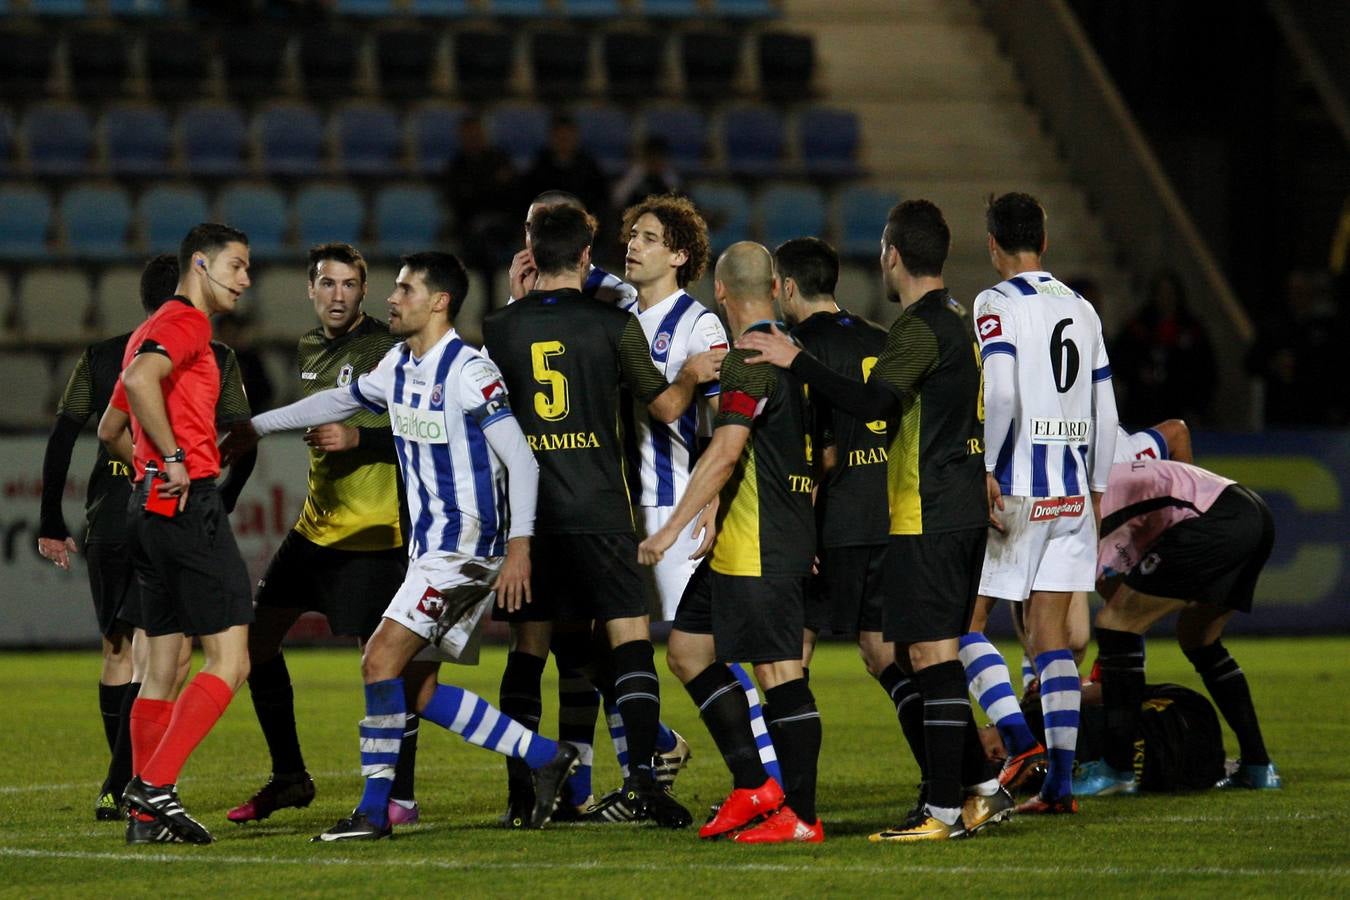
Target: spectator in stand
(650, 174)
(1162, 357)
(482, 186)
(564, 165)
(1294, 355)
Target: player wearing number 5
(1050, 432)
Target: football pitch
(1292, 842)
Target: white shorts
(443, 599)
(672, 573)
(1049, 544)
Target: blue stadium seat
(435, 136)
(407, 218)
(790, 211)
(59, 139)
(754, 137)
(439, 8)
(592, 9)
(686, 133)
(518, 8)
(829, 140)
(365, 7)
(137, 139)
(258, 210)
(520, 129)
(726, 208)
(862, 215)
(58, 7)
(671, 9)
(290, 139)
(329, 212)
(96, 219)
(213, 137)
(25, 216)
(606, 134)
(746, 9)
(167, 211)
(137, 7)
(368, 138)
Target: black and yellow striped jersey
(765, 522)
(351, 501)
(565, 358)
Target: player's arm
(54, 540)
(143, 380)
(713, 470)
(1176, 434)
(114, 430)
(864, 399)
(1105, 426)
(997, 340)
(666, 401)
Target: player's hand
(995, 497)
(333, 437)
(654, 548)
(513, 581)
(57, 551)
(175, 483)
(774, 347)
(706, 366)
(240, 439)
(994, 751)
(523, 273)
(705, 522)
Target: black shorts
(192, 579)
(931, 583)
(1215, 557)
(112, 582)
(583, 577)
(848, 595)
(752, 619)
(352, 588)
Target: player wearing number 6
(1050, 432)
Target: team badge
(989, 326)
(436, 394)
(662, 342)
(432, 603)
(345, 375)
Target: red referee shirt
(190, 390)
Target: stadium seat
(710, 61)
(369, 138)
(290, 139)
(829, 140)
(790, 211)
(407, 218)
(726, 208)
(118, 293)
(746, 9)
(787, 63)
(124, 8)
(96, 220)
(442, 9)
(518, 8)
(329, 212)
(136, 138)
(560, 63)
(213, 138)
(483, 62)
(25, 217)
(167, 211)
(375, 8)
(670, 9)
(686, 133)
(753, 137)
(328, 60)
(56, 306)
(859, 288)
(280, 301)
(29, 398)
(58, 7)
(99, 61)
(405, 59)
(260, 212)
(59, 138)
(633, 63)
(862, 214)
(606, 134)
(252, 66)
(26, 59)
(592, 9)
(520, 129)
(175, 61)
(435, 136)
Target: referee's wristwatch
(177, 456)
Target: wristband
(177, 456)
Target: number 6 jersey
(1050, 414)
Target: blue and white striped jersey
(438, 407)
(676, 328)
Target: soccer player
(565, 359)
(471, 483)
(1176, 537)
(1050, 426)
(345, 556)
(111, 579)
(747, 601)
(598, 283)
(927, 379)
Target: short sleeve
(745, 390)
(995, 327)
(77, 401)
(909, 356)
(372, 389)
(182, 335)
(708, 334)
(482, 391)
(118, 400)
(642, 378)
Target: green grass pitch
(1293, 843)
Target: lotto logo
(989, 326)
(492, 389)
(432, 604)
(1065, 507)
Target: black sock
(725, 711)
(405, 770)
(578, 701)
(269, 683)
(637, 694)
(1228, 686)
(1121, 655)
(119, 767)
(904, 693)
(110, 706)
(794, 725)
(520, 698)
(946, 710)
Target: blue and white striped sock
(990, 684)
(482, 724)
(1028, 672)
(381, 737)
(1061, 696)
(617, 736)
(767, 754)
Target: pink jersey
(1143, 499)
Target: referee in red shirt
(192, 578)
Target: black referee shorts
(751, 619)
(1215, 557)
(191, 576)
(583, 577)
(352, 588)
(849, 593)
(931, 584)
(112, 582)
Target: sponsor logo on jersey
(1057, 508)
(867, 457)
(345, 375)
(309, 376)
(989, 326)
(1060, 431)
(571, 440)
(492, 389)
(432, 603)
(418, 424)
(662, 342)
(801, 484)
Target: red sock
(202, 703)
(149, 718)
